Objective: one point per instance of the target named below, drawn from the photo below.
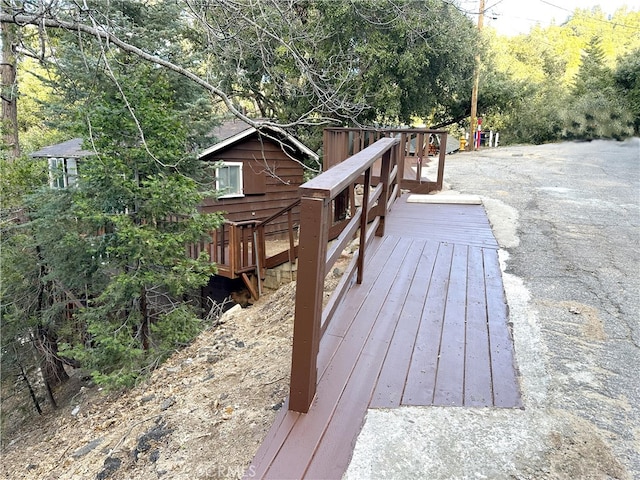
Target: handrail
(239, 247)
(340, 142)
(282, 211)
(384, 130)
(314, 261)
(243, 223)
(336, 179)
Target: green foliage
(114, 355)
(593, 75)
(31, 302)
(19, 266)
(175, 330)
(114, 245)
(21, 176)
(537, 117)
(358, 61)
(35, 92)
(627, 81)
(597, 115)
(561, 82)
(594, 109)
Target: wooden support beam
(250, 286)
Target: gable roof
(69, 149)
(234, 131)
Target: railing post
(441, 157)
(385, 172)
(262, 247)
(213, 247)
(292, 241)
(245, 240)
(234, 254)
(364, 220)
(314, 233)
(399, 161)
(329, 144)
(224, 237)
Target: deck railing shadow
(321, 205)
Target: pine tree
(103, 278)
(593, 75)
(595, 109)
(627, 82)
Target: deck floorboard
(428, 326)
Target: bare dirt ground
(201, 415)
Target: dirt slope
(201, 415)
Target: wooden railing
(416, 146)
(232, 248)
(239, 249)
(288, 255)
(317, 215)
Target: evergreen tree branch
(100, 33)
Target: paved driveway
(567, 217)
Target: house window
(229, 180)
(63, 172)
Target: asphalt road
(567, 217)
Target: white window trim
(239, 194)
(65, 169)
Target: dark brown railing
(239, 249)
(232, 248)
(288, 255)
(318, 207)
(416, 146)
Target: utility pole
(476, 82)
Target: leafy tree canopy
(559, 82)
(298, 62)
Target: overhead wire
(615, 24)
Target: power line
(614, 24)
(527, 22)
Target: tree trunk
(46, 343)
(9, 91)
(52, 365)
(25, 378)
(144, 327)
(50, 396)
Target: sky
(512, 17)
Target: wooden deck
(432, 331)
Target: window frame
(239, 191)
(63, 172)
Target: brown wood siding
(253, 182)
(270, 182)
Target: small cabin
(64, 162)
(259, 172)
(258, 176)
